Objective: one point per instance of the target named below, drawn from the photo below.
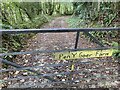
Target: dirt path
(54, 41)
(57, 40)
(46, 41)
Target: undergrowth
(14, 43)
(107, 38)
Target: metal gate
(79, 72)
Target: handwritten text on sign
(82, 54)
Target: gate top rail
(56, 30)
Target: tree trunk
(21, 14)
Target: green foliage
(97, 14)
(25, 15)
(66, 8)
(5, 26)
(16, 15)
(115, 44)
(76, 22)
(21, 14)
(72, 22)
(107, 37)
(36, 22)
(116, 52)
(105, 13)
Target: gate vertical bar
(76, 45)
(72, 62)
(77, 39)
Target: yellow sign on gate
(83, 54)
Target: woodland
(29, 15)
(35, 15)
